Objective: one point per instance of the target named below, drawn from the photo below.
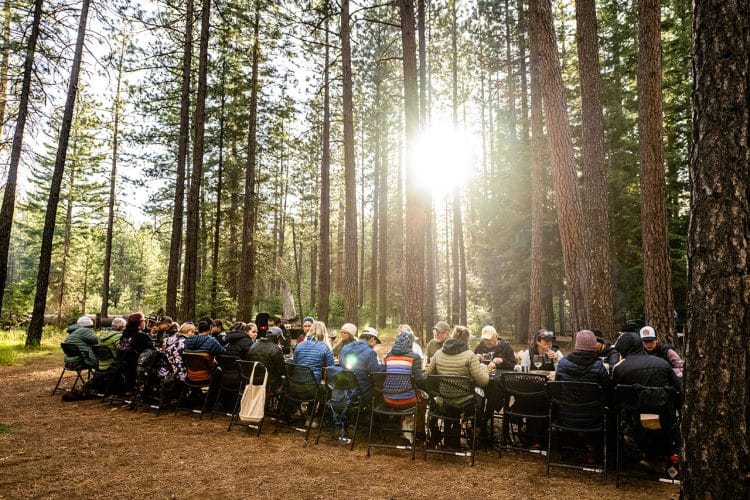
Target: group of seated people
(645, 360)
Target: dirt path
(85, 449)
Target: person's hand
(479, 357)
(497, 361)
(552, 355)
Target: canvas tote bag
(253, 403)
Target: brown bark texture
(4, 64)
(34, 334)
(192, 235)
(716, 411)
(538, 142)
(596, 199)
(247, 263)
(9, 196)
(324, 266)
(175, 244)
(414, 217)
(565, 181)
(657, 273)
(351, 312)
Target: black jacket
(640, 368)
(502, 350)
(269, 353)
(238, 344)
(609, 354)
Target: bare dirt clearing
(85, 449)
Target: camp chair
(200, 367)
(343, 398)
(72, 351)
(300, 388)
(390, 387)
(525, 412)
(461, 418)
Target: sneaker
(314, 424)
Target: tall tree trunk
(538, 141)
(383, 229)
(4, 63)
(339, 272)
(422, 46)
(657, 272)
(415, 213)
(193, 205)
(219, 187)
(175, 243)
(34, 334)
(350, 181)
(567, 197)
(112, 184)
(234, 250)
(324, 255)
(716, 413)
(510, 79)
(247, 264)
(522, 29)
(596, 199)
(378, 165)
(362, 245)
(9, 196)
(67, 233)
(457, 224)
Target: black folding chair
(200, 367)
(648, 422)
(229, 383)
(578, 408)
(392, 386)
(300, 388)
(343, 397)
(452, 402)
(102, 353)
(72, 351)
(525, 412)
(245, 369)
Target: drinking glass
(538, 361)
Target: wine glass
(538, 361)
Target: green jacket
(455, 358)
(109, 338)
(83, 338)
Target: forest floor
(51, 449)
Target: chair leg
(369, 434)
(356, 425)
(604, 432)
(58, 382)
(414, 436)
(322, 422)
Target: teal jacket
(83, 338)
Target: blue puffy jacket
(359, 357)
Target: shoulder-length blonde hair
(320, 332)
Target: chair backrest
(392, 384)
(245, 369)
(342, 380)
(102, 352)
(70, 350)
(449, 387)
(200, 366)
(301, 381)
(576, 396)
(524, 385)
(643, 399)
(228, 364)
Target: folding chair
(245, 369)
(578, 408)
(102, 353)
(525, 412)
(648, 418)
(343, 397)
(200, 367)
(229, 383)
(460, 417)
(300, 388)
(392, 386)
(72, 351)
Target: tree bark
(219, 187)
(112, 184)
(34, 333)
(538, 143)
(415, 213)
(247, 264)
(716, 412)
(565, 180)
(350, 181)
(383, 232)
(657, 272)
(193, 206)
(4, 63)
(175, 244)
(9, 196)
(324, 255)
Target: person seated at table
(359, 357)
(204, 341)
(542, 346)
(173, 347)
(133, 342)
(318, 330)
(268, 351)
(238, 340)
(110, 338)
(495, 351)
(415, 345)
(607, 352)
(314, 353)
(403, 359)
(455, 358)
(440, 333)
(80, 335)
(348, 335)
(655, 347)
(307, 324)
(331, 336)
